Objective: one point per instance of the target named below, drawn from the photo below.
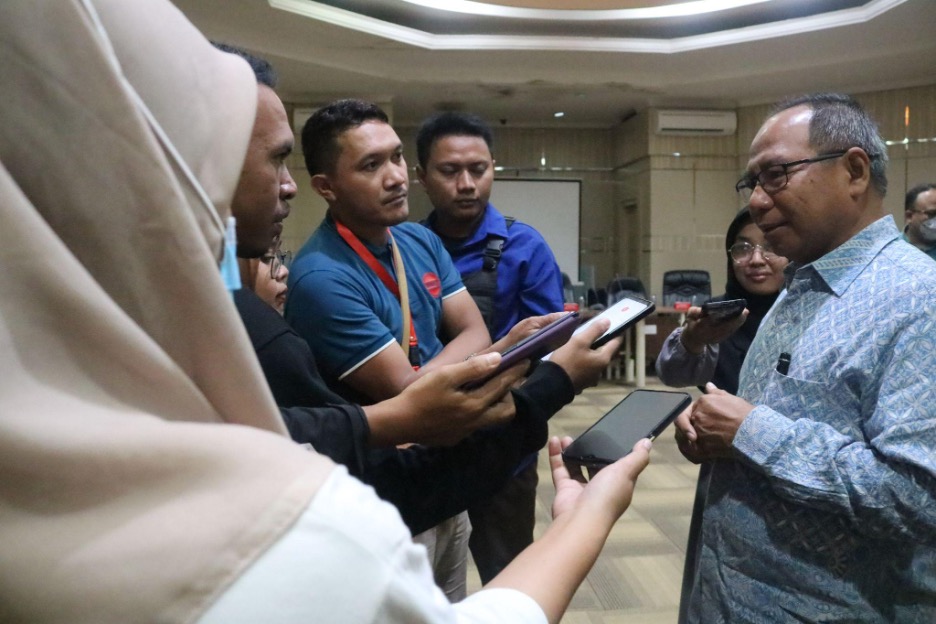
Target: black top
(732, 351)
(427, 485)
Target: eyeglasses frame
(746, 185)
(768, 256)
(280, 258)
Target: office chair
(688, 285)
(620, 287)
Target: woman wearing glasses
(266, 276)
(706, 349)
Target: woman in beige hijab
(145, 474)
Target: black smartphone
(724, 310)
(534, 346)
(642, 414)
(622, 314)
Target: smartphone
(724, 310)
(622, 314)
(642, 414)
(534, 346)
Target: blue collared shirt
(529, 282)
(829, 514)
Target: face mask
(230, 272)
(928, 230)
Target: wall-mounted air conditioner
(695, 122)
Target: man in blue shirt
(820, 506)
(510, 272)
(377, 297)
(345, 284)
(920, 216)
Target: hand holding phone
(642, 414)
(534, 346)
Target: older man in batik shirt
(822, 504)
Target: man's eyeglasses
(776, 177)
(276, 260)
(742, 253)
(929, 214)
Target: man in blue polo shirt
(346, 292)
(378, 298)
(510, 272)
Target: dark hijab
(731, 352)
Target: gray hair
(840, 123)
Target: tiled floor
(638, 575)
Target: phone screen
(642, 414)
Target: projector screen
(550, 206)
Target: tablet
(642, 414)
(534, 346)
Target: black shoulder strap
(494, 249)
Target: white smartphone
(622, 314)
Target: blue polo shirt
(529, 282)
(346, 314)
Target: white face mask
(928, 230)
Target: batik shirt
(829, 514)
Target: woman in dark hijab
(706, 349)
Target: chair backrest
(568, 293)
(691, 285)
(620, 287)
(601, 298)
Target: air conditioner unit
(695, 122)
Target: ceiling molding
(430, 41)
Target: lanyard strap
(396, 286)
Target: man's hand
(705, 330)
(524, 329)
(581, 363)
(436, 410)
(706, 429)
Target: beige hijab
(123, 496)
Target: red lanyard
(365, 254)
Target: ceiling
(521, 61)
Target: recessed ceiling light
(559, 114)
(682, 9)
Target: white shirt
(350, 558)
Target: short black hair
(840, 123)
(262, 69)
(321, 131)
(449, 124)
(916, 191)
